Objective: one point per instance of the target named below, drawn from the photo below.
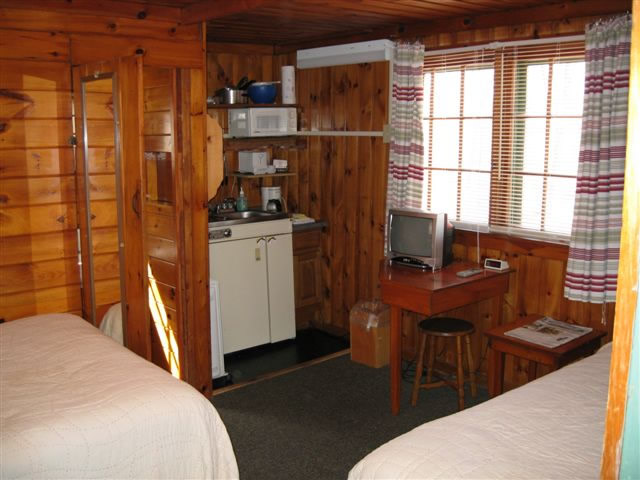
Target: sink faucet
(227, 205)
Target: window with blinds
(502, 136)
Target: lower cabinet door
(281, 294)
(240, 267)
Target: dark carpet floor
(317, 422)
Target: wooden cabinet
(306, 276)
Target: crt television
(418, 238)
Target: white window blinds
(502, 136)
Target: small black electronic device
(410, 262)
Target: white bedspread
(549, 428)
(75, 404)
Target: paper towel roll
(288, 78)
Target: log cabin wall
(39, 255)
(38, 260)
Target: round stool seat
(446, 327)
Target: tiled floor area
(308, 345)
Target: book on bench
(548, 332)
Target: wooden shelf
(262, 175)
(251, 105)
(291, 142)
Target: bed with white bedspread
(75, 404)
(550, 428)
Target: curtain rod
(495, 45)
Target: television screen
(411, 236)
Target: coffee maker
(272, 199)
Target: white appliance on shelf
(253, 265)
(255, 162)
(217, 356)
(262, 121)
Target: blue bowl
(262, 92)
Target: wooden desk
(430, 293)
(499, 344)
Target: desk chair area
(429, 293)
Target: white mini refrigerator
(217, 355)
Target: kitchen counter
(304, 227)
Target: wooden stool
(444, 327)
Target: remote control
(468, 273)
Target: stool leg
(418, 375)
(432, 357)
(472, 369)
(460, 374)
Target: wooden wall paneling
(137, 328)
(38, 219)
(380, 163)
(36, 133)
(35, 104)
(196, 338)
(337, 103)
(33, 45)
(33, 75)
(366, 171)
(46, 21)
(88, 48)
(37, 203)
(316, 181)
(41, 275)
(18, 192)
(338, 237)
(110, 8)
(351, 174)
(159, 94)
(36, 248)
(326, 211)
(181, 174)
(24, 162)
(49, 300)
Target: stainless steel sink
(249, 216)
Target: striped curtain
(404, 180)
(592, 269)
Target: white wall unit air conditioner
(348, 54)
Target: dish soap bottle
(241, 203)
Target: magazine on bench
(548, 332)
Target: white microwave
(262, 122)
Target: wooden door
(174, 209)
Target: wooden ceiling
(308, 21)
(291, 24)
